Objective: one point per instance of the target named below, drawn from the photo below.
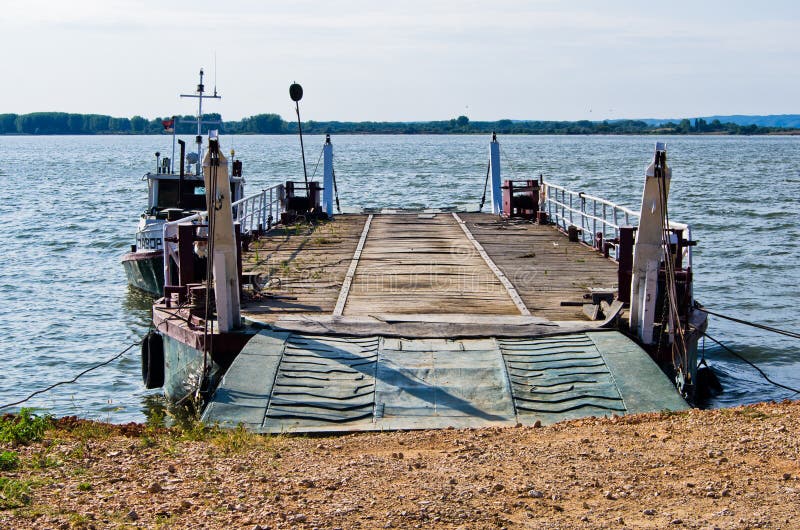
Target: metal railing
(258, 211)
(588, 213)
(592, 214)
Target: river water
(70, 205)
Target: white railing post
(261, 209)
(570, 211)
(266, 215)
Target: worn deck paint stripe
(512, 291)
(348, 279)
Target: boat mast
(200, 95)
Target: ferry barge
(556, 305)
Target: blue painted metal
(497, 194)
(327, 182)
(560, 377)
(247, 385)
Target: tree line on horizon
(48, 123)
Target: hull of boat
(183, 369)
(187, 369)
(145, 270)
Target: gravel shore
(728, 468)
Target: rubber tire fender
(153, 360)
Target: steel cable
(751, 363)
(74, 379)
(791, 334)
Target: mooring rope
(74, 379)
(751, 363)
(317, 164)
(208, 335)
(510, 163)
(678, 346)
(485, 185)
(792, 334)
(336, 190)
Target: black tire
(153, 360)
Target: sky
(404, 60)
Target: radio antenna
(215, 72)
(200, 96)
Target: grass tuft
(42, 460)
(23, 428)
(8, 461)
(14, 493)
(238, 440)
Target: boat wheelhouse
(173, 193)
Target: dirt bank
(732, 468)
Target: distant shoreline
(788, 132)
(60, 123)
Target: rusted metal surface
(181, 325)
(625, 271)
(520, 199)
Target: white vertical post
(648, 248)
(258, 220)
(226, 270)
(327, 182)
(267, 216)
(494, 158)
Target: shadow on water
(138, 300)
(137, 308)
(742, 384)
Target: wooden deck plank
(510, 289)
(423, 264)
(303, 267)
(412, 264)
(543, 265)
(351, 270)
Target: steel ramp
(298, 382)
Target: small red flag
(169, 125)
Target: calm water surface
(70, 207)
